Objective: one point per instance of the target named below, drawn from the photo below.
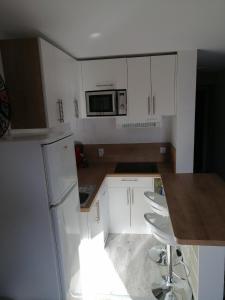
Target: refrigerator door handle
(65, 197)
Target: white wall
(185, 119)
(97, 131)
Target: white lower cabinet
(95, 223)
(127, 204)
(104, 210)
(118, 207)
(119, 210)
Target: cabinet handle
(135, 179)
(98, 212)
(128, 196)
(132, 196)
(76, 108)
(153, 103)
(149, 107)
(102, 85)
(61, 114)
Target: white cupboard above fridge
(60, 77)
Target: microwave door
(101, 103)
(109, 105)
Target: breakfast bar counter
(196, 205)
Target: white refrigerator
(39, 218)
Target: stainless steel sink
(85, 192)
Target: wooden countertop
(196, 205)
(95, 173)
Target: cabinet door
(119, 210)
(59, 76)
(70, 89)
(104, 74)
(163, 76)
(103, 199)
(139, 206)
(96, 233)
(139, 90)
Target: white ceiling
(122, 26)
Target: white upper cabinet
(163, 79)
(151, 86)
(104, 74)
(139, 87)
(60, 84)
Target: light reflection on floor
(123, 270)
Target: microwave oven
(106, 103)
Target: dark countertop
(96, 172)
(196, 205)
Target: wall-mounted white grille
(140, 125)
(126, 123)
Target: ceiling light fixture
(95, 35)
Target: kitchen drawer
(131, 181)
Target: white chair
(162, 230)
(157, 202)
(158, 205)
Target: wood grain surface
(140, 152)
(95, 173)
(196, 205)
(22, 71)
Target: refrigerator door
(67, 235)
(60, 165)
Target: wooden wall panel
(21, 63)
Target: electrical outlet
(100, 152)
(162, 150)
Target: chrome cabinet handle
(149, 107)
(76, 108)
(100, 85)
(135, 179)
(61, 114)
(153, 104)
(98, 212)
(128, 196)
(132, 196)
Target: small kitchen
(129, 122)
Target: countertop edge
(92, 199)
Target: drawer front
(131, 181)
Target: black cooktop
(137, 167)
